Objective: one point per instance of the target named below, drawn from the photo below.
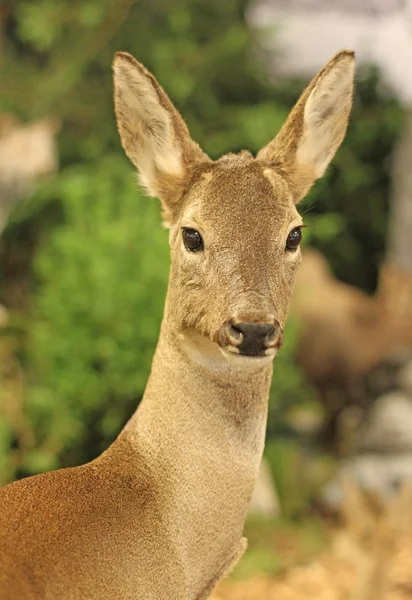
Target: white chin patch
(233, 356)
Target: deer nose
(253, 338)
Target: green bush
(97, 311)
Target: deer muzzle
(251, 338)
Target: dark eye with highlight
(294, 239)
(192, 239)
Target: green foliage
(276, 545)
(289, 387)
(102, 276)
(98, 310)
(94, 255)
(199, 50)
(299, 472)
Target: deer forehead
(240, 196)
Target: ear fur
(153, 134)
(315, 127)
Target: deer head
(234, 227)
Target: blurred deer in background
(345, 333)
(160, 514)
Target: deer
(160, 514)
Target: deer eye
(192, 239)
(294, 239)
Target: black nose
(254, 338)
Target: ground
(367, 558)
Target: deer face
(235, 252)
(234, 227)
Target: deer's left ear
(315, 127)
(153, 134)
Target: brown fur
(160, 514)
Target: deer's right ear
(315, 127)
(153, 134)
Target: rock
(381, 476)
(388, 429)
(264, 501)
(383, 449)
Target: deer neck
(196, 400)
(200, 431)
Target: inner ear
(153, 134)
(326, 116)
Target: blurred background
(84, 264)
